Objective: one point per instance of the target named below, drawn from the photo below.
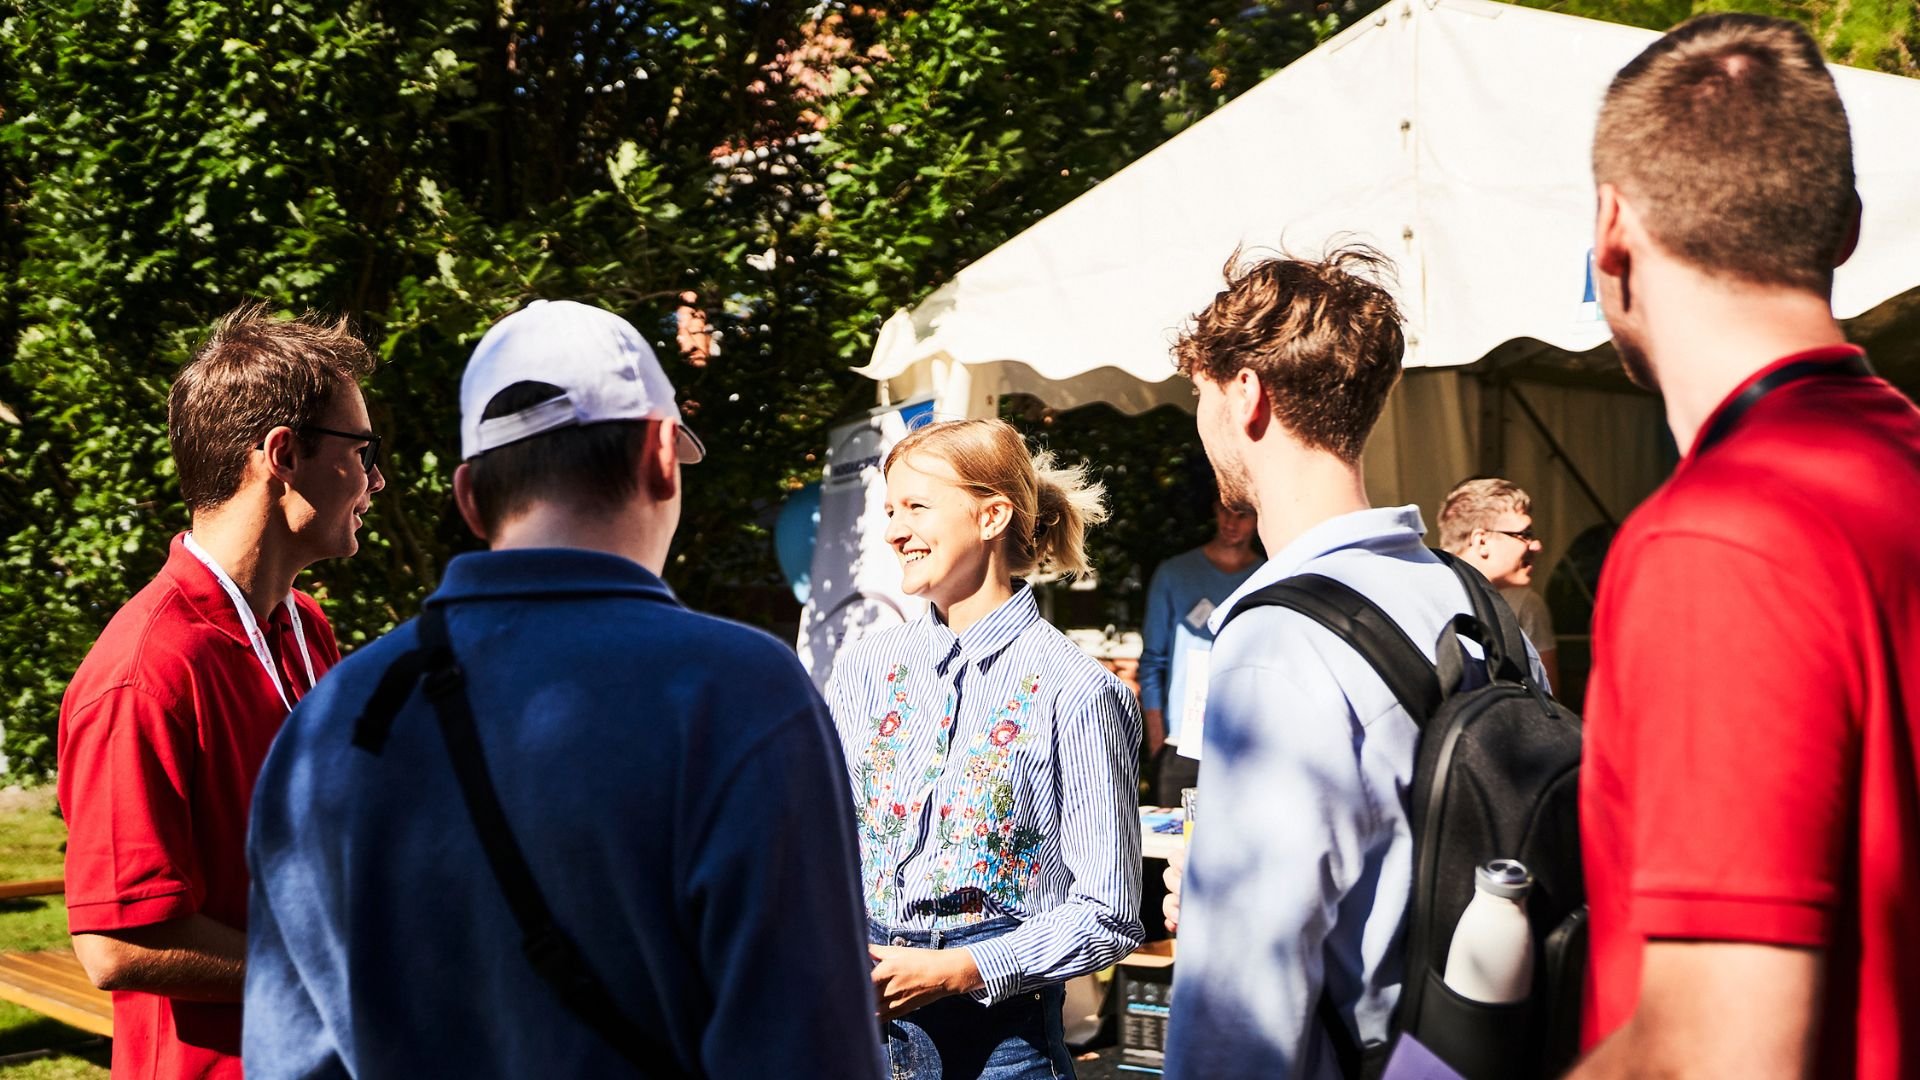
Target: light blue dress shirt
(1302, 858)
(995, 773)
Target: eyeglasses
(369, 454)
(1525, 535)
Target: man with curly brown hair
(1302, 861)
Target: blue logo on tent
(1588, 309)
(917, 416)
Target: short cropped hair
(1323, 336)
(255, 373)
(1473, 504)
(586, 468)
(1728, 136)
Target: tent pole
(1556, 451)
(1493, 425)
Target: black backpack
(1496, 778)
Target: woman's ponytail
(1069, 505)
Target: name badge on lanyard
(1193, 715)
(255, 636)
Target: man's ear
(1247, 403)
(1852, 239)
(660, 461)
(463, 498)
(282, 450)
(1611, 254)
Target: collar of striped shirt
(983, 642)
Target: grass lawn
(30, 840)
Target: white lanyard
(252, 626)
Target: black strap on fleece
(548, 948)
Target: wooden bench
(52, 983)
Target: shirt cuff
(102, 915)
(1763, 920)
(999, 968)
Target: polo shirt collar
(547, 572)
(202, 592)
(985, 640)
(1376, 528)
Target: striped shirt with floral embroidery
(995, 773)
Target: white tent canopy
(1453, 135)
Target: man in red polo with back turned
(1749, 804)
(166, 723)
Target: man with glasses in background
(165, 725)
(1488, 522)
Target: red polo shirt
(162, 732)
(1750, 770)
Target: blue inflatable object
(793, 535)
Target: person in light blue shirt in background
(1301, 862)
(1183, 594)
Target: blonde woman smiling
(994, 766)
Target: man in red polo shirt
(166, 723)
(1749, 803)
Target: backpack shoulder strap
(1496, 615)
(1386, 647)
(1360, 623)
(1348, 1055)
(548, 948)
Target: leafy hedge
(428, 167)
(423, 172)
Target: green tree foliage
(428, 167)
(425, 172)
(987, 115)
(984, 117)
(1880, 34)
(423, 169)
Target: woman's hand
(904, 979)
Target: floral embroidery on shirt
(888, 810)
(982, 853)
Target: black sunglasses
(1525, 535)
(369, 454)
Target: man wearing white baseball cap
(559, 824)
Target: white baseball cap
(603, 367)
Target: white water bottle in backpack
(1491, 958)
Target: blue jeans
(957, 1038)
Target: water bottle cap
(1503, 878)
